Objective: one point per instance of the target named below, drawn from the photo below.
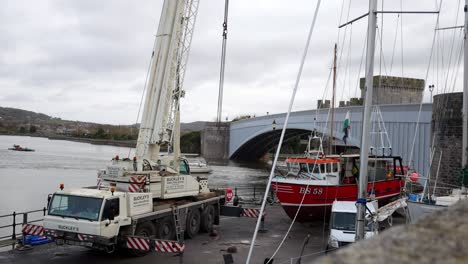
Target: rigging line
(262, 209)
(381, 49)
(297, 212)
(451, 52)
(348, 58)
(437, 63)
(451, 75)
(442, 61)
(459, 56)
(457, 69)
(143, 93)
(348, 72)
(339, 21)
(360, 67)
(324, 93)
(338, 64)
(401, 39)
(421, 103)
(383, 57)
(394, 43)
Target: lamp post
(431, 88)
(273, 125)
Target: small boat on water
(19, 148)
(198, 165)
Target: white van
(343, 224)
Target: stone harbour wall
(447, 132)
(438, 238)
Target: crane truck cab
(343, 224)
(91, 217)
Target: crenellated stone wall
(395, 90)
(447, 131)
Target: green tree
(32, 129)
(22, 130)
(190, 142)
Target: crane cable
(223, 62)
(267, 191)
(143, 92)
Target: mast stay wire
(446, 77)
(380, 52)
(360, 66)
(394, 44)
(262, 209)
(401, 39)
(442, 117)
(347, 62)
(338, 64)
(410, 160)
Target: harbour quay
(230, 242)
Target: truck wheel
(145, 229)
(207, 219)
(193, 223)
(166, 229)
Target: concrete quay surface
(235, 232)
(439, 238)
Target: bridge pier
(215, 142)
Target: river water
(26, 178)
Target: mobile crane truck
(148, 202)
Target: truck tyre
(207, 219)
(193, 223)
(166, 229)
(146, 229)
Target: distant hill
(13, 121)
(21, 116)
(193, 126)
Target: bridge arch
(257, 145)
(248, 138)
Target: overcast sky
(87, 60)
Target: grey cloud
(87, 60)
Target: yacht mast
(364, 153)
(465, 92)
(333, 102)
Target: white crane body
(165, 176)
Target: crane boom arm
(160, 122)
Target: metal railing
(250, 194)
(26, 218)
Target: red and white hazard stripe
(168, 246)
(33, 230)
(83, 237)
(250, 212)
(138, 243)
(136, 183)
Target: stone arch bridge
(250, 139)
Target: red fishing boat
(313, 182)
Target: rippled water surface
(26, 178)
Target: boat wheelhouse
(313, 183)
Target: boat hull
(319, 198)
(418, 210)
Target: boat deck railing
(15, 222)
